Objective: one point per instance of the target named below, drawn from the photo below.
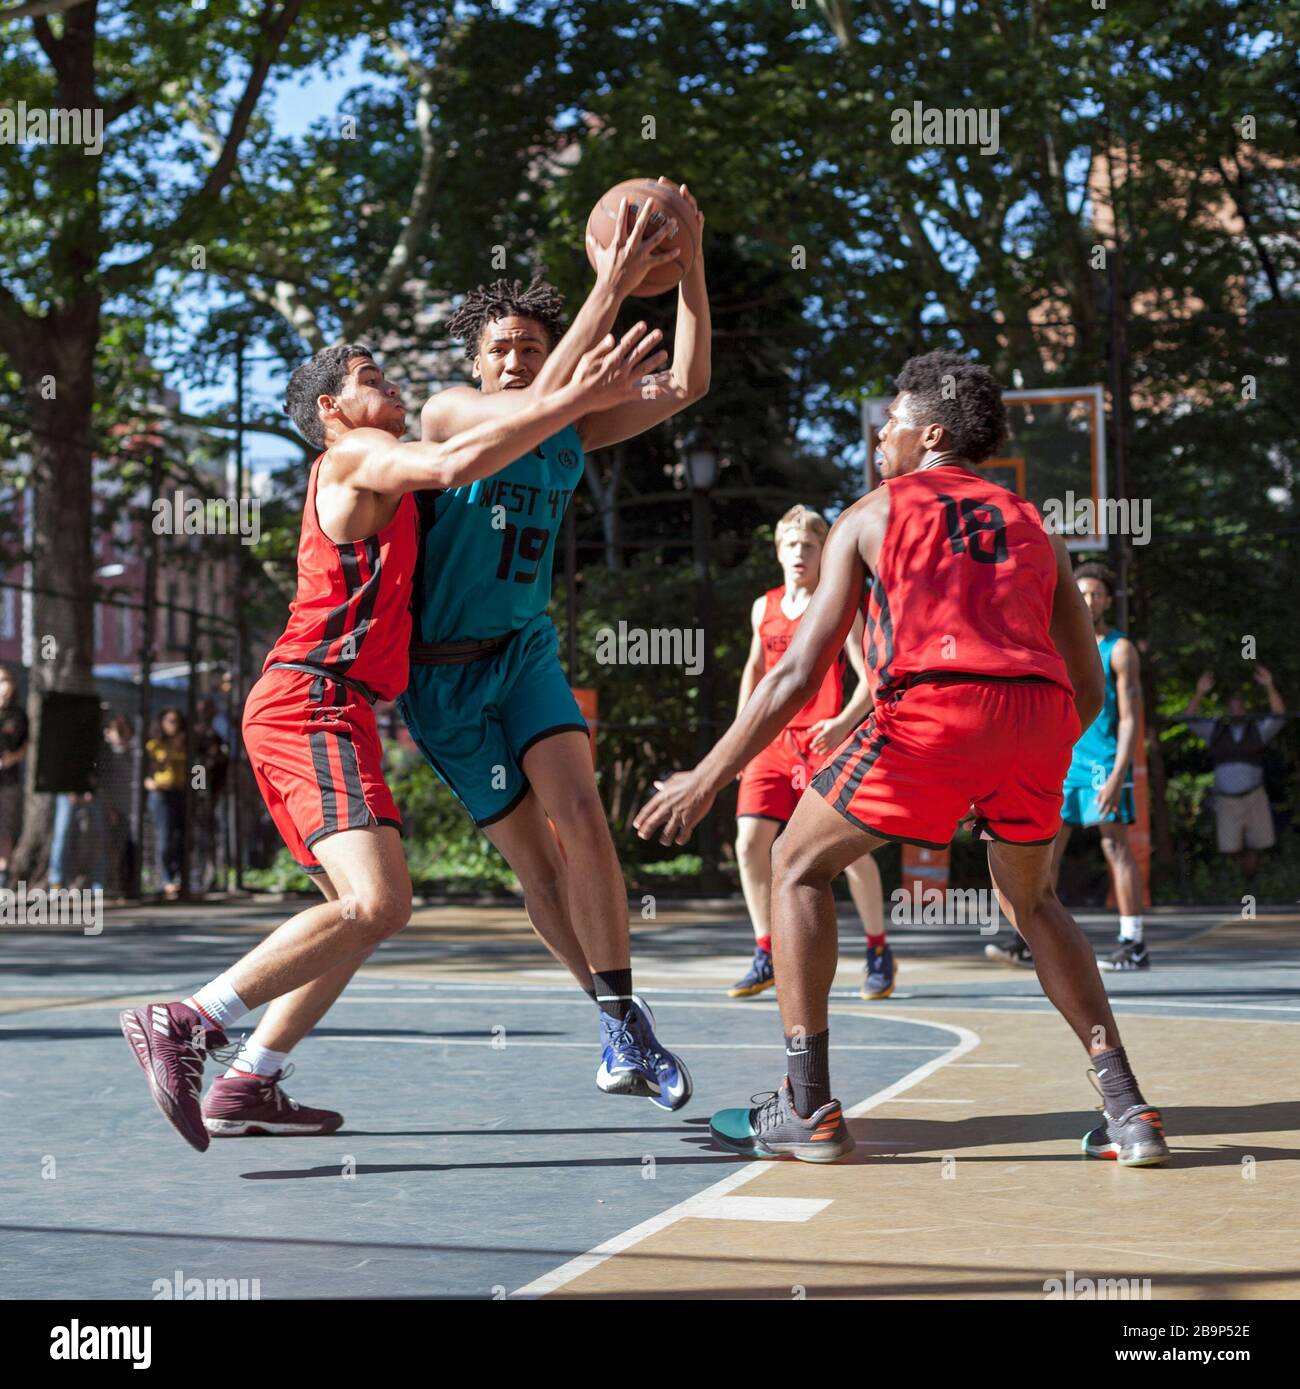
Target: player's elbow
(1089, 696)
(697, 387)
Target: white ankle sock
(220, 1002)
(257, 1060)
(1130, 928)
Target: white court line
(489, 1041)
(584, 1263)
(780, 1208)
(1150, 1003)
(916, 1101)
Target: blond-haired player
(772, 783)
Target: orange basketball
(667, 203)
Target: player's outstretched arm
(683, 800)
(1073, 637)
(611, 373)
(620, 267)
(687, 382)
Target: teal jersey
(1094, 753)
(486, 550)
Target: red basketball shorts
(314, 748)
(771, 784)
(927, 755)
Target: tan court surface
(967, 1180)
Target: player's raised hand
(1262, 676)
(634, 249)
(616, 371)
(679, 804)
(1206, 683)
(690, 198)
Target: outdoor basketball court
(478, 1160)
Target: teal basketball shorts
(474, 722)
(1080, 807)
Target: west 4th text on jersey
(519, 499)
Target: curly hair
(323, 374)
(1094, 569)
(949, 389)
(507, 299)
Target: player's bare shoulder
(438, 416)
(339, 465)
(864, 524)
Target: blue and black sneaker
(668, 1082)
(878, 980)
(623, 1065)
(758, 977)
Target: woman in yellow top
(165, 757)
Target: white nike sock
(257, 1060)
(220, 1002)
(1130, 929)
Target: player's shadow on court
(379, 1169)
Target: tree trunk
(62, 607)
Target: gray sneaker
(772, 1129)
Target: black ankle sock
(1119, 1089)
(612, 991)
(807, 1063)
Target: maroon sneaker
(171, 1041)
(248, 1106)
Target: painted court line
(505, 1041)
(584, 1263)
(777, 1208)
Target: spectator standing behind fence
(212, 753)
(165, 757)
(1243, 816)
(13, 749)
(114, 774)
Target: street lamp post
(701, 466)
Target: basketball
(668, 203)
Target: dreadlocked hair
(507, 299)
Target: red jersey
(964, 582)
(352, 613)
(776, 632)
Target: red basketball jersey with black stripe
(964, 583)
(776, 632)
(352, 613)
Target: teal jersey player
(488, 703)
(1095, 753)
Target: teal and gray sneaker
(1135, 1139)
(772, 1129)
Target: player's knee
(579, 816)
(792, 863)
(380, 909)
(752, 845)
(1116, 850)
(541, 878)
